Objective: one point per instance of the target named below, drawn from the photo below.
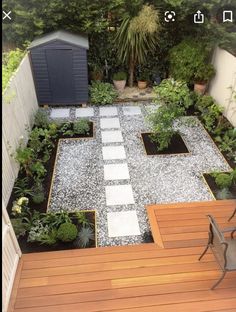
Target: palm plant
(136, 37)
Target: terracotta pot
(119, 84)
(200, 88)
(142, 84)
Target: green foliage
(227, 142)
(38, 193)
(102, 93)
(223, 180)
(67, 232)
(41, 119)
(81, 126)
(188, 59)
(81, 217)
(120, 76)
(204, 74)
(174, 92)
(210, 111)
(19, 227)
(24, 156)
(144, 75)
(22, 188)
(42, 234)
(224, 194)
(38, 170)
(11, 61)
(86, 234)
(136, 37)
(55, 219)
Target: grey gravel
(79, 182)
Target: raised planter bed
(210, 181)
(29, 247)
(177, 145)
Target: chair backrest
(218, 243)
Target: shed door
(60, 70)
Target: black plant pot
(156, 79)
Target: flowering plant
(20, 203)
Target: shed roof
(75, 39)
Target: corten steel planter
(142, 84)
(119, 85)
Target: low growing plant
(86, 234)
(102, 93)
(227, 143)
(22, 188)
(41, 119)
(67, 232)
(38, 193)
(20, 227)
(81, 126)
(120, 76)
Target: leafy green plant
(81, 217)
(20, 227)
(11, 61)
(204, 73)
(41, 119)
(210, 111)
(42, 234)
(85, 235)
(227, 142)
(102, 93)
(188, 58)
(171, 91)
(48, 238)
(22, 188)
(223, 180)
(67, 232)
(81, 126)
(24, 156)
(55, 219)
(120, 76)
(38, 193)
(224, 194)
(144, 75)
(66, 129)
(38, 170)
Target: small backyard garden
(149, 133)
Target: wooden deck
(142, 278)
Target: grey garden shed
(60, 70)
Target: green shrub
(86, 234)
(223, 180)
(10, 62)
(81, 126)
(210, 111)
(144, 75)
(41, 119)
(67, 232)
(22, 188)
(187, 58)
(20, 228)
(38, 193)
(102, 93)
(174, 92)
(120, 76)
(55, 219)
(227, 142)
(204, 74)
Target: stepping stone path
(60, 113)
(122, 223)
(84, 112)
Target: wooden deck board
(140, 278)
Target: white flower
(16, 208)
(22, 201)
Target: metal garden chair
(223, 249)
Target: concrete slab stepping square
(108, 111)
(111, 136)
(113, 152)
(123, 223)
(60, 113)
(131, 110)
(84, 112)
(116, 172)
(119, 195)
(109, 123)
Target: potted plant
(119, 80)
(143, 79)
(202, 76)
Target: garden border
(178, 154)
(56, 159)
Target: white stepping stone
(113, 152)
(119, 195)
(60, 113)
(84, 112)
(123, 223)
(109, 123)
(108, 111)
(131, 110)
(111, 136)
(116, 172)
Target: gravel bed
(79, 183)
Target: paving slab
(112, 136)
(119, 195)
(131, 110)
(116, 172)
(113, 152)
(84, 112)
(60, 113)
(108, 111)
(123, 223)
(110, 123)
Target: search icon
(227, 16)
